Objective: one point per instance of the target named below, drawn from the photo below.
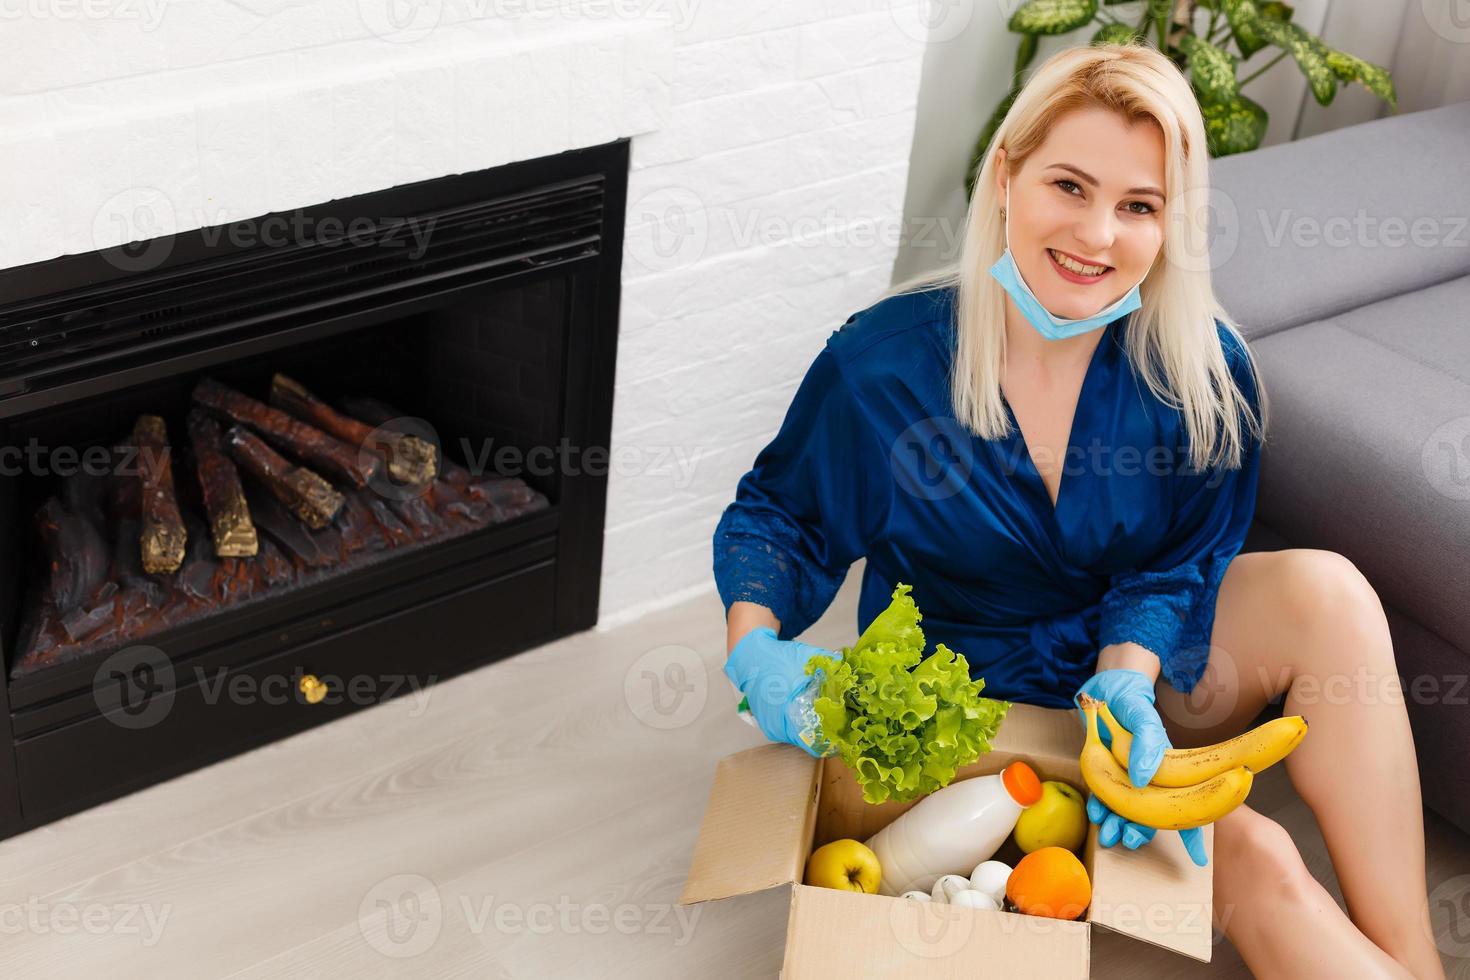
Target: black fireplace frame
(62, 749)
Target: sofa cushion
(1368, 447)
(1306, 230)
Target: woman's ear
(1001, 177)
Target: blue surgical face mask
(1049, 326)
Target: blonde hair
(1172, 340)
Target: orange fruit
(1050, 881)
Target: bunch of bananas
(1192, 787)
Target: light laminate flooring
(534, 818)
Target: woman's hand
(771, 673)
(1130, 698)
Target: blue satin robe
(871, 461)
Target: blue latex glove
(771, 673)
(1130, 697)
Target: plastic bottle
(802, 714)
(953, 829)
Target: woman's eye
(1064, 184)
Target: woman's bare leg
(1306, 622)
(1280, 918)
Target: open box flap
(1155, 893)
(834, 933)
(1049, 739)
(757, 825)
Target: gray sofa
(1363, 337)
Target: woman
(1056, 442)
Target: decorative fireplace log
(505, 496)
(82, 622)
(99, 594)
(294, 540)
(127, 560)
(418, 515)
(411, 460)
(124, 510)
(127, 604)
(385, 416)
(272, 567)
(74, 552)
(219, 484)
(306, 493)
(306, 442)
(360, 532)
(163, 535)
(380, 413)
(393, 529)
(197, 581)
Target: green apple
(1058, 819)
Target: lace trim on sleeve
(1171, 614)
(758, 558)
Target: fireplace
(473, 314)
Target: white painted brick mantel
(771, 143)
(292, 115)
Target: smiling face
(1091, 195)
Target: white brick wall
(770, 154)
(764, 214)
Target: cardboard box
(771, 805)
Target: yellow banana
(1164, 807)
(1258, 749)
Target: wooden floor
(532, 819)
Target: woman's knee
(1324, 587)
(1343, 626)
(1257, 863)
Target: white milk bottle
(953, 829)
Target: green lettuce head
(903, 722)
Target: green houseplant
(1233, 123)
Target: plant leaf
(1308, 51)
(1375, 78)
(1025, 52)
(1052, 16)
(1118, 34)
(1211, 70)
(1244, 18)
(1234, 127)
